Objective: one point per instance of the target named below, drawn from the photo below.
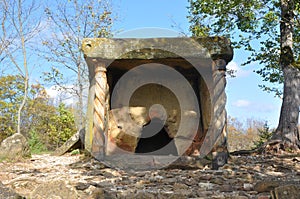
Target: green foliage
(264, 135)
(63, 126)
(252, 25)
(11, 95)
(54, 125)
(75, 152)
(35, 143)
(45, 125)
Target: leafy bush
(51, 127)
(35, 143)
(62, 126)
(46, 126)
(11, 93)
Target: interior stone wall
(124, 128)
(124, 133)
(147, 95)
(152, 94)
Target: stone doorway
(153, 143)
(156, 103)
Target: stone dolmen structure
(154, 100)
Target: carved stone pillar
(219, 122)
(100, 119)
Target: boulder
(8, 193)
(126, 124)
(266, 186)
(14, 147)
(124, 128)
(286, 192)
(75, 142)
(54, 189)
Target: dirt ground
(73, 176)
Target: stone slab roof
(157, 48)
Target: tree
(45, 125)
(18, 27)
(62, 126)
(265, 133)
(270, 31)
(11, 94)
(243, 136)
(70, 22)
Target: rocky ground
(67, 176)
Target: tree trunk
(26, 75)
(81, 119)
(287, 131)
(286, 136)
(26, 79)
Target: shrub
(62, 126)
(35, 143)
(264, 135)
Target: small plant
(264, 135)
(75, 152)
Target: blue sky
(244, 98)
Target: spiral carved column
(219, 121)
(100, 113)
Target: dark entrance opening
(155, 140)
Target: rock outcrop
(53, 190)
(75, 142)
(8, 193)
(15, 146)
(286, 192)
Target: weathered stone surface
(7, 193)
(263, 197)
(193, 58)
(265, 186)
(14, 147)
(75, 142)
(126, 124)
(182, 144)
(286, 192)
(248, 187)
(160, 101)
(139, 162)
(54, 189)
(124, 128)
(155, 48)
(219, 159)
(226, 188)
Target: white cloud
(238, 71)
(241, 103)
(148, 32)
(263, 107)
(59, 95)
(256, 106)
(52, 92)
